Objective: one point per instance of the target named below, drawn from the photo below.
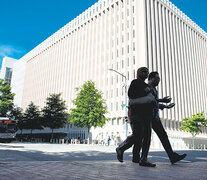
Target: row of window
(70, 26)
(118, 106)
(8, 75)
(167, 124)
(115, 65)
(122, 50)
(121, 62)
(115, 54)
(118, 121)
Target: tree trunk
(31, 136)
(52, 133)
(21, 136)
(88, 135)
(193, 141)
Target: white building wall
(6, 63)
(123, 35)
(17, 81)
(177, 48)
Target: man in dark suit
(141, 117)
(153, 81)
(157, 126)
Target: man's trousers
(158, 129)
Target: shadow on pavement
(155, 156)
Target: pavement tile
(99, 170)
(93, 162)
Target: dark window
(8, 75)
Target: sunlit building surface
(7, 69)
(122, 35)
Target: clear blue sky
(26, 23)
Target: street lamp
(125, 85)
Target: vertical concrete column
(141, 49)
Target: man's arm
(132, 90)
(143, 100)
(169, 106)
(166, 99)
(162, 106)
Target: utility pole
(125, 105)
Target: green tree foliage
(90, 107)
(194, 124)
(54, 113)
(17, 114)
(32, 118)
(6, 98)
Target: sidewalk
(33, 161)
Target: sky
(24, 24)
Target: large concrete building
(122, 35)
(7, 69)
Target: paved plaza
(25, 161)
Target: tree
(32, 118)
(17, 114)
(193, 124)
(54, 113)
(90, 107)
(6, 98)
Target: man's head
(154, 78)
(142, 73)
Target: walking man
(141, 117)
(157, 126)
(153, 81)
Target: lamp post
(125, 92)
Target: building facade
(122, 35)
(7, 69)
